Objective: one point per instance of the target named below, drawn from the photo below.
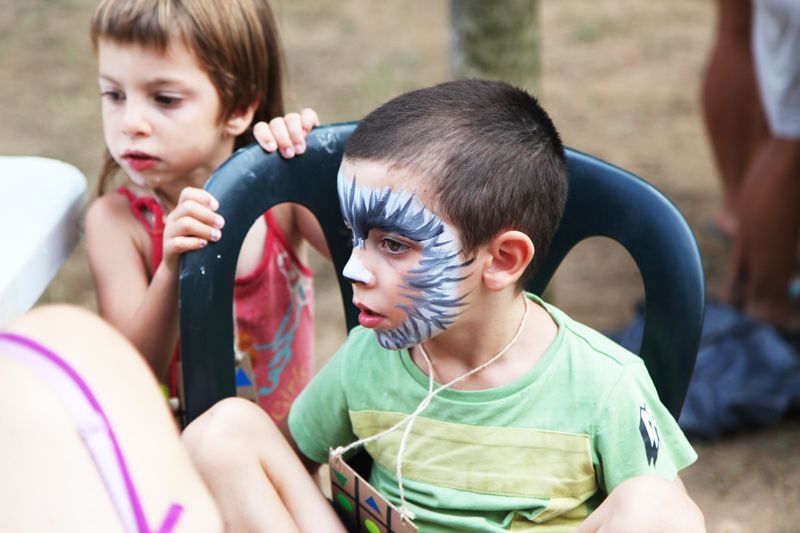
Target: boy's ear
(238, 122)
(510, 252)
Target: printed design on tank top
(274, 328)
(279, 351)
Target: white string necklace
(406, 513)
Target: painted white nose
(355, 271)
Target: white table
(41, 207)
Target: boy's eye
(167, 100)
(112, 95)
(392, 246)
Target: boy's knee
(225, 429)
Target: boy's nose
(355, 270)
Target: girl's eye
(112, 95)
(167, 100)
(392, 246)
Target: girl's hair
(235, 41)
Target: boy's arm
(646, 503)
(635, 435)
(641, 449)
(319, 418)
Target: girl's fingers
(180, 245)
(286, 134)
(296, 133)
(199, 212)
(200, 196)
(281, 134)
(309, 119)
(191, 227)
(264, 137)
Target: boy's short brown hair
(493, 156)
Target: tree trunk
(495, 39)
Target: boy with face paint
(420, 249)
(483, 407)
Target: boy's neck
(484, 329)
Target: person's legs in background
(765, 249)
(765, 253)
(731, 106)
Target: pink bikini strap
(93, 427)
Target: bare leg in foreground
(50, 481)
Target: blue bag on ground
(747, 375)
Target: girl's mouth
(139, 161)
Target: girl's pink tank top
(274, 316)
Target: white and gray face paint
(431, 287)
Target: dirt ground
(620, 78)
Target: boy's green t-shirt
(545, 448)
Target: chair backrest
(603, 200)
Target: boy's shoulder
(583, 340)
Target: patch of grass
(588, 31)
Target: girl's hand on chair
(191, 225)
(286, 134)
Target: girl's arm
(145, 312)
(308, 228)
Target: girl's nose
(355, 270)
(134, 120)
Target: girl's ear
(510, 252)
(238, 122)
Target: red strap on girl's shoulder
(141, 206)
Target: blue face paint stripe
(430, 286)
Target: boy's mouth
(369, 318)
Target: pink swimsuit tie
(93, 427)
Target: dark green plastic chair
(603, 200)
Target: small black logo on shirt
(650, 436)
